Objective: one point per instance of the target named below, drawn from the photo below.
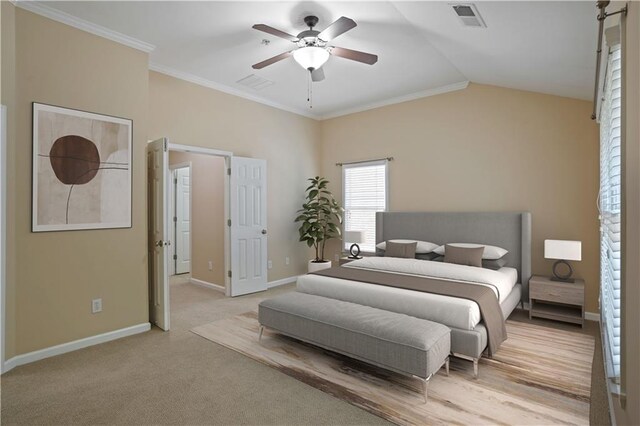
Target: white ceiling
(545, 47)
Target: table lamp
(562, 250)
(354, 237)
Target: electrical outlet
(96, 306)
(269, 264)
(286, 260)
(211, 265)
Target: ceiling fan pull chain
(310, 91)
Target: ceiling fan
(312, 50)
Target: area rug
(540, 376)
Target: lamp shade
(563, 249)
(354, 237)
(311, 57)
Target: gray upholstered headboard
(511, 231)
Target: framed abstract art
(81, 170)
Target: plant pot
(318, 266)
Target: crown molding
(73, 21)
(235, 92)
(405, 98)
(226, 89)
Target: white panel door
(248, 233)
(183, 220)
(158, 170)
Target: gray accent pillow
(470, 256)
(406, 250)
(494, 264)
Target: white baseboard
(206, 284)
(74, 346)
(589, 316)
(282, 281)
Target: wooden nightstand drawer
(556, 300)
(569, 293)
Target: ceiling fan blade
(354, 55)
(270, 61)
(275, 32)
(317, 75)
(341, 26)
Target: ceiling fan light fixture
(311, 57)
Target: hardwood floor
(541, 375)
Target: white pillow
(490, 252)
(422, 247)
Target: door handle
(264, 232)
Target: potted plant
(319, 218)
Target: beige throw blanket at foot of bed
(483, 296)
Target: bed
(511, 231)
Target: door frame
(227, 210)
(172, 201)
(3, 233)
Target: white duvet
(450, 311)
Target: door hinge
(228, 222)
(175, 219)
(229, 274)
(175, 257)
(165, 145)
(229, 171)
(175, 181)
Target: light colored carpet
(181, 378)
(169, 378)
(540, 375)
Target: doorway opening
(242, 266)
(197, 219)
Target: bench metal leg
(260, 331)
(425, 385)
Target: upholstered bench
(397, 342)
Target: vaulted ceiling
(423, 48)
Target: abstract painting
(81, 170)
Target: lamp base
(354, 250)
(563, 278)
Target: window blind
(610, 212)
(364, 188)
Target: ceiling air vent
(255, 82)
(469, 15)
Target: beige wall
(628, 412)
(57, 274)
(485, 148)
(194, 115)
(8, 83)
(207, 214)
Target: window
(610, 212)
(364, 188)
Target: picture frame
(82, 164)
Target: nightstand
(556, 300)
